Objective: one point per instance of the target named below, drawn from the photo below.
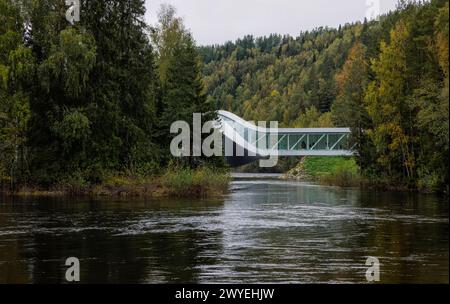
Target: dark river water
(265, 231)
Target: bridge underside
(240, 155)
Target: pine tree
(183, 92)
(179, 69)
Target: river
(264, 231)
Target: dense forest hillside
(279, 77)
(386, 79)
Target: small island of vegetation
(86, 108)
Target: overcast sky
(217, 21)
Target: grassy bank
(174, 182)
(329, 170)
(343, 172)
(338, 171)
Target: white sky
(217, 21)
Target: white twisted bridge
(251, 142)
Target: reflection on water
(265, 230)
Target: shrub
(339, 171)
(343, 176)
(201, 181)
(178, 181)
(4, 178)
(430, 182)
(211, 180)
(75, 183)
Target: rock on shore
(298, 172)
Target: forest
(386, 79)
(82, 103)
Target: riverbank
(335, 171)
(180, 182)
(344, 172)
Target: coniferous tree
(180, 73)
(94, 105)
